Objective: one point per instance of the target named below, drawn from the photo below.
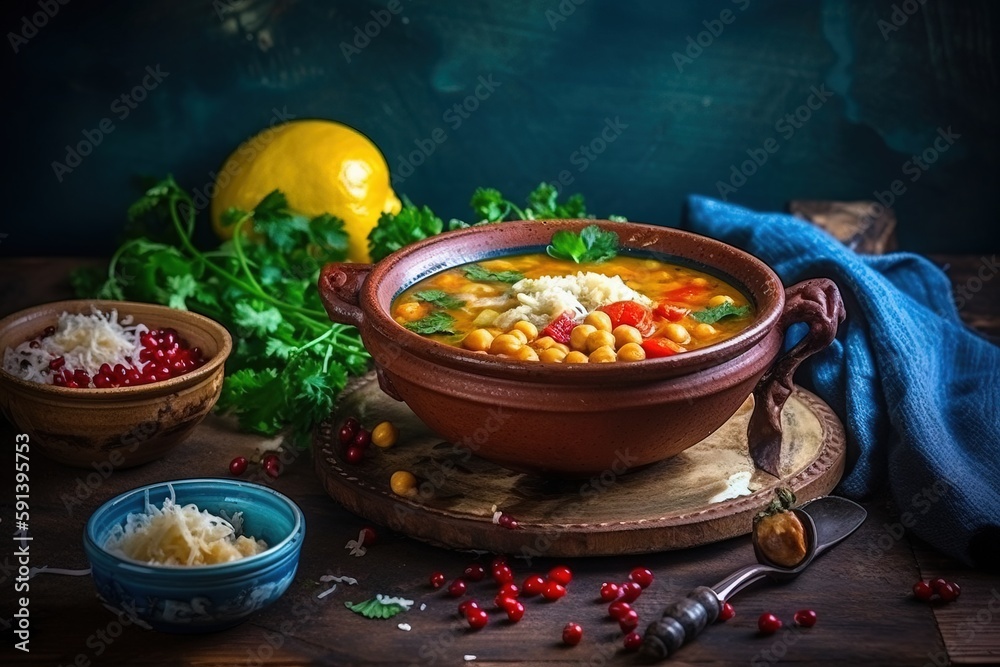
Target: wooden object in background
(863, 226)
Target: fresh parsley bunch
(289, 362)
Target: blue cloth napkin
(918, 392)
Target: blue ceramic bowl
(201, 598)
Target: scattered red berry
(629, 620)
(238, 466)
(533, 585)
(500, 601)
(561, 574)
(477, 618)
(497, 561)
(465, 606)
(354, 454)
(345, 435)
(515, 610)
(456, 589)
(509, 590)
(507, 521)
(641, 576)
(630, 591)
(727, 612)
(949, 592)
(805, 618)
(502, 574)
(438, 579)
(368, 536)
(609, 591)
(272, 467)
(923, 590)
(362, 438)
(619, 608)
(352, 424)
(572, 634)
(632, 641)
(553, 590)
(474, 572)
(768, 623)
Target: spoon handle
(681, 622)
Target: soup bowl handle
(816, 303)
(339, 289)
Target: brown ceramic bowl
(117, 427)
(582, 419)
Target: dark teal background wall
(684, 93)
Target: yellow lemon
(321, 167)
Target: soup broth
(537, 308)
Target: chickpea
(478, 340)
(676, 333)
(384, 435)
(562, 346)
(699, 282)
(518, 334)
(575, 357)
(600, 339)
(719, 299)
(411, 311)
(631, 352)
(705, 330)
(599, 320)
(529, 330)
(603, 355)
(505, 344)
(578, 337)
(525, 353)
(403, 483)
(543, 343)
(551, 355)
(625, 334)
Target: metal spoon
(826, 520)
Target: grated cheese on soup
(84, 341)
(542, 299)
(181, 535)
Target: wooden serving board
(707, 493)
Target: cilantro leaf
(543, 203)
(375, 608)
(489, 205)
(440, 298)
(592, 244)
(257, 398)
(481, 274)
(436, 322)
(182, 288)
(392, 232)
(713, 315)
(256, 318)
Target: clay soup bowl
(582, 419)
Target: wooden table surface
(860, 590)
